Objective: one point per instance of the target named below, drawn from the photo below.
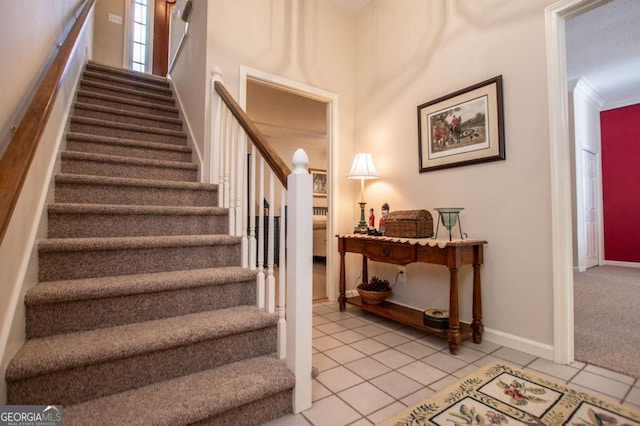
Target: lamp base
(361, 227)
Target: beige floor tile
(318, 391)
(610, 374)
(564, 372)
(633, 397)
(331, 411)
(396, 384)
(330, 328)
(411, 333)
(443, 383)
(444, 362)
(391, 339)
(513, 356)
(465, 371)
(393, 358)
(352, 322)
(338, 379)
(322, 362)
(317, 333)
(434, 342)
(366, 398)
(289, 420)
(486, 346)
(469, 354)
(485, 360)
(416, 350)
(348, 336)
(390, 325)
(368, 368)
(423, 373)
(338, 316)
(370, 330)
(322, 309)
(361, 422)
(344, 354)
(369, 346)
(416, 397)
(386, 412)
(317, 320)
(601, 384)
(325, 343)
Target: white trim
(586, 88)
(620, 103)
(560, 162)
(128, 24)
(621, 263)
(191, 140)
(302, 89)
(518, 343)
(151, 18)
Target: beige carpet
(607, 318)
(502, 394)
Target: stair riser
(126, 106)
(69, 265)
(127, 195)
(101, 115)
(255, 413)
(128, 84)
(89, 225)
(138, 96)
(116, 132)
(94, 168)
(128, 151)
(97, 380)
(127, 74)
(70, 317)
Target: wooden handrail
(270, 155)
(15, 163)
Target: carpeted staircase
(142, 314)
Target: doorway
(315, 130)
(162, 20)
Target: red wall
(620, 130)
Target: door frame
(331, 99)
(128, 35)
(560, 167)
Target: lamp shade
(362, 167)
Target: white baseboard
(191, 141)
(619, 263)
(519, 343)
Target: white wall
(18, 250)
(413, 51)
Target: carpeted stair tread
(163, 110)
(126, 126)
(128, 243)
(149, 183)
(123, 91)
(48, 292)
(134, 75)
(125, 81)
(191, 398)
(75, 350)
(115, 159)
(87, 137)
(86, 109)
(119, 209)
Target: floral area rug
(501, 394)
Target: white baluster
(227, 158)
(271, 281)
(222, 148)
(260, 231)
(282, 274)
(212, 156)
(299, 279)
(244, 182)
(241, 159)
(252, 211)
(231, 187)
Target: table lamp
(362, 168)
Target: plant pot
(373, 297)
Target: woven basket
(373, 297)
(409, 224)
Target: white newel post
(299, 280)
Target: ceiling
(603, 46)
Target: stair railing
(253, 179)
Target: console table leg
(342, 299)
(454, 314)
(476, 325)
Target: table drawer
(390, 253)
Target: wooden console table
(453, 255)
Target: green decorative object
(449, 216)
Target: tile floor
(371, 368)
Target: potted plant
(375, 291)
